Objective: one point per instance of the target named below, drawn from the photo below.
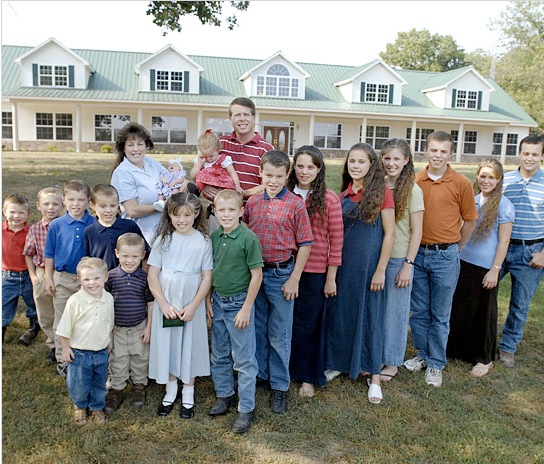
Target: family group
(297, 282)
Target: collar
(279, 195)
(123, 273)
(115, 225)
(447, 177)
(83, 219)
(538, 177)
(133, 167)
(5, 227)
(350, 193)
(235, 233)
(256, 138)
(91, 298)
(45, 224)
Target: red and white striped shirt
(246, 157)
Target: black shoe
(51, 358)
(278, 401)
(222, 405)
(61, 370)
(187, 413)
(31, 333)
(114, 400)
(243, 422)
(192, 188)
(262, 383)
(164, 409)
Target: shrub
(90, 150)
(52, 148)
(105, 148)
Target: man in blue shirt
(525, 259)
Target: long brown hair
(370, 205)
(317, 197)
(405, 181)
(173, 205)
(131, 130)
(490, 210)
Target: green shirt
(234, 254)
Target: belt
(515, 241)
(280, 264)
(437, 246)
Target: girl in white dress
(179, 276)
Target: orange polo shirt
(447, 200)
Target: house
(79, 99)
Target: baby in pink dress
(214, 169)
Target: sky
(331, 32)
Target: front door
(277, 136)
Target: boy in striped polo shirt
(132, 331)
(524, 261)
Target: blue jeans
(233, 348)
(525, 281)
(435, 280)
(86, 378)
(397, 310)
(274, 328)
(14, 285)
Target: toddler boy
(85, 332)
(280, 220)
(236, 280)
(132, 331)
(100, 237)
(15, 279)
(63, 251)
(49, 203)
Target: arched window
(277, 83)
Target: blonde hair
(230, 195)
(130, 239)
(49, 191)
(208, 140)
(16, 199)
(489, 212)
(91, 263)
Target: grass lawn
(495, 419)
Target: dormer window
(169, 81)
(376, 93)
(277, 83)
(469, 99)
(53, 76)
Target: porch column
(200, 123)
(504, 144)
(258, 122)
(363, 129)
(413, 137)
(141, 116)
(78, 128)
(311, 130)
(15, 126)
(460, 142)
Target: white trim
(368, 68)
(247, 74)
(174, 49)
(451, 81)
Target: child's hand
(241, 321)
(201, 159)
(49, 287)
(146, 335)
(240, 190)
(378, 281)
(209, 309)
(35, 279)
(110, 347)
(169, 312)
(187, 313)
(330, 288)
(404, 277)
(290, 289)
(491, 279)
(67, 355)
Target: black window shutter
(391, 89)
(480, 93)
(453, 98)
(186, 81)
(363, 92)
(34, 74)
(152, 80)
(70, 76)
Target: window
(169, 129)
(511, 144)
(49, 124)
(470, 142)
(466, 99)
(377, 93)
(421, 138)
(7, 125)
(107, 126)
(328, 135)
(171, 81)
(277, 83)
(55, 76)
(375, 135)
(219, 126)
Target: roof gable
(164, 50)
(359, 71)
(445, 79)
(263, 63)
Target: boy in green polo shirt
(236, 280)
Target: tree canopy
(167, 15)
(421, 51)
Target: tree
(167, 15)
(522, 23)
(419, 50)
(482, 61)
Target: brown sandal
(80, 416)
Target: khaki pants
(66, 285)
(44, 308)
(129, 358)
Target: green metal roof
(116, 80)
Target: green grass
(496, 419)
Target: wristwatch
(409, 261)
(494, 266)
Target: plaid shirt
(35, 242)
(281, 223)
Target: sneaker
(61, 370)
(433, 377)
(506, 359)
(99, 417)
(278, 401)
(330, 374)
(138, 396)
(415, 364)
(159, 205)
(114, 400)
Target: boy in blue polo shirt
(133, 309)
(63, 251)
(100, 238)
(280, 220)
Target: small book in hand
(176, 322)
